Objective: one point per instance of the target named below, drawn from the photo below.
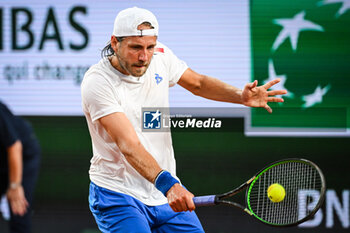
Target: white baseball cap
(127, 21)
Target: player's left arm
(214, 89)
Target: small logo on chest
(158, 78)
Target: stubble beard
(130, 68)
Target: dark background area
(208, 162)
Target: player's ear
(114, 43)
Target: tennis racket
(303, 186)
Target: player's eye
(136, 47)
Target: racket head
(304, 185)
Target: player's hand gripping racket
(285, 193)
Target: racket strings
(302, 184)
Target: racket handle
(204, 200)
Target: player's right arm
(122, 132)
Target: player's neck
(116, 65)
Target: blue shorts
(117, 212)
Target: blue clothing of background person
(19, 165)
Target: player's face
(134, 54)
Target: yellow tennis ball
(276, 192)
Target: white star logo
(292, 28)
(315, 97)
(280, 85)
(156, 115)
(342, 10)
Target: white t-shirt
(104, 91)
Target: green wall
(207, 162)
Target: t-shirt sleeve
(176, 67)
(98, 97)
(8, 132)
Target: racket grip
(204, 200)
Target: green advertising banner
(307, 45)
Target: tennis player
(134, 187)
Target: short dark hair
(108, 51)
